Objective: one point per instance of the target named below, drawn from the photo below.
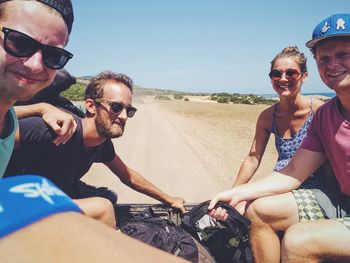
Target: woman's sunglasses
(291, 74)
(21, 45)
(118, 107)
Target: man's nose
(332, 62)
(123, 114)
(35, 63)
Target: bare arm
(61, 122)
(303, 164)
(43, 239)
(137, 182)
(261, 138)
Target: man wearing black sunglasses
(27, 65)
(108, 105)
(51, 229)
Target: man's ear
(305, 75)
(90, 106)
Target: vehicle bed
(125, 212)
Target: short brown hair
(94, 90)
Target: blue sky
(195, 45)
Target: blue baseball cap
(334, 26)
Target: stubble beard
(105, 129)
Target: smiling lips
(26, 79)
(336, 74)
(283, 86)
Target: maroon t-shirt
(329, 132)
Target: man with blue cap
(315, 223)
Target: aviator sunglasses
(21, 45)
(118, 107)
(291, 74)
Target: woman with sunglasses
(288, 119)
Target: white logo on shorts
(34, 190)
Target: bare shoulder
(266, 117)
(316, 103)
(267, 114)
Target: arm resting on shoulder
(137, 182)
(60, 121)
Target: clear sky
(195, 45)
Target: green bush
(162, 97)
(223, 99)
(241, 98)
(178, 97)
(75, 92)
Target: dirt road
(182, 153)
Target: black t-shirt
(64, 164)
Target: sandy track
(184, 148)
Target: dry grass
(222, 133)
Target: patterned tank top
(286, 148)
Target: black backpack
(227, 241)
(166, 235)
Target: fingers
(62, 123)
(226, 196)
(182, 209)
(213, 202)
(66, 131)
(219, 213)
(61, 139)
(180, 205)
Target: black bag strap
(201, 209)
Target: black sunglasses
(118, 107)
(291, 74)
(21, 45)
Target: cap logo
(325, 28)
(340, 24)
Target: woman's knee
(259, 209)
